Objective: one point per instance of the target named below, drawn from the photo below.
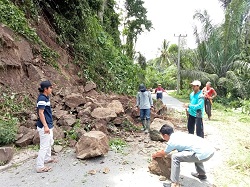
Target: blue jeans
(145, 113)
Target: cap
(45, 84)
(159, 84)
(196, 83)
(142, 87)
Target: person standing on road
(44, 127)
(190, 148)
(159, 92)
(144, 102)
(195, 110)
(209, 94)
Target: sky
(174, 17)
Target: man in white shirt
(190, 148)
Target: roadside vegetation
(234, 128)
(12, 106)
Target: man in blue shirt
(44, 127)
(196, 110)
(190, 149)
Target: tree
(219, 48)
(136, 22)
(164, 57)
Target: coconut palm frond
(195, 74)
(235, 81)
(241, 65)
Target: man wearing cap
(209, 94)
(159, 92)
(44, 127)
(144, 102)
(195, 110)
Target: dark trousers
(192, 121)
(208, 107)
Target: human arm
(214, 94)
(151, 100)
(160, 153)
(43, 120)
(199, 105)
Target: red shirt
(159, 90)
(208, 92)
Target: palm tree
(219, 48)
(163, 61)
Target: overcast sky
(171, 17)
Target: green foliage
(8, 130)
(10, 107)
(95, 45)
(245, 104)
(12, 104)
(14, 17)
(167, 76)
(117, 145)
(128, 126)
(135, 23)
(73, 133)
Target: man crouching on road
(190, 148)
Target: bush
(8, 130)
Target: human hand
(46, 130)
(185, 105)
(154, 156)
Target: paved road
(171, 102)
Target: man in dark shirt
(44, 127)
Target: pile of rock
(92, 116)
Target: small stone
(74, 163)
(129, 139)
(162, 178)
(149, 145)
(106, 170)
(92, 172)
(33, 117)
(124, 162)
(58, 148)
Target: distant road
(171, 102)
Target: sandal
(44, 169)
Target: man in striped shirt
(44, 127)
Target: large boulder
(92, 144)
(155, 127)
(27, 139)
(161, 166)
(30, 124)
(36, 138)
(103, 113)
(74, 100)
(67, 120)
(116, 106)
(6, 154)
(58, 133)
(58, 113)
(101, 125)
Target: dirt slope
(22, 71)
